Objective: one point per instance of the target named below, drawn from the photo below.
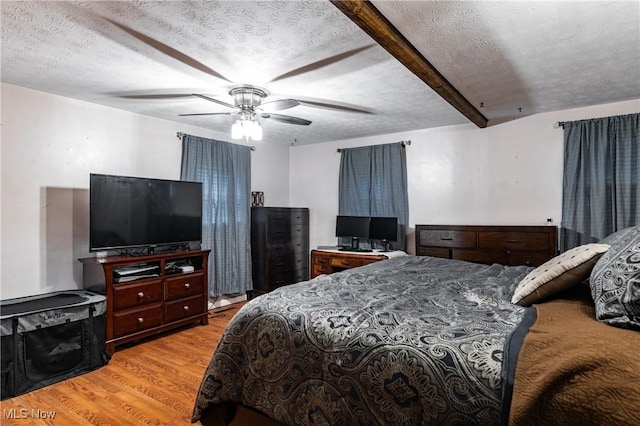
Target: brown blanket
(574, 370)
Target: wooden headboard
(506, 245)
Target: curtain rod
(404, 143)
(562, 123)
(179, 135)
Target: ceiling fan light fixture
(236, 130)
(246, 128)
(256, 132)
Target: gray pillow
(615, 282)
(612, 239)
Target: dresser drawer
(133, 320)
(282, 231)
(321, 264)
(447, 238)
(183, 308)
(288, 277)
(136, 294)
(321, 269)
(291, 263)
(287, 216)
(321, 258)
(297, 245)
(183, 286)
(513, 240)
(488, 257)
(346, 262)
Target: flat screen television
(383, 228)
(352, 226)
(131, 212)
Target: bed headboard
(506, 245)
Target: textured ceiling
(509, 59)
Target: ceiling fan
(248, 107)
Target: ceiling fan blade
(206, 113)
(158, 96)
(286, 119)
(336, 106)
(210, 99)
(279, 105)
(168, 50)
(322, 63)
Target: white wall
(507, 174)
(50, 144)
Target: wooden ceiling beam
(366, 16)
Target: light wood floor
(151, 383)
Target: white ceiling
(509, 59)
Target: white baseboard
(226, 300)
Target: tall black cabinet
(279, 247)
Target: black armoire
(279, 247)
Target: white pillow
(558, 274)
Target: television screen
(126, 212)
(383, 228)
(352, 226)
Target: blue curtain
(601, 185)
(373, 182)
(225, 172)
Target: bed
(429, 341)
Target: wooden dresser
(279, 247)
(506, 245)
(156, 298)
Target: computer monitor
(384, 229)
(354, 227)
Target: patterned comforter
(406, 341)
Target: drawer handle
(140, 320)
(446, 239)
(512, 241)
(187, 285)
(186, 308)
(141, 295)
